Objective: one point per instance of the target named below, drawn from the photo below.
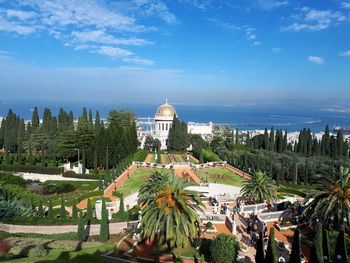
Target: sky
(189, 51)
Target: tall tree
(104, 228)
(35, 119)
(81, 236)
(295, 256)
(63, 210)
(260, 249)
(74, 209)
(271, 256)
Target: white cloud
(156, 8)
(23, 15)
(316, 60)
(271, 4)
(16, 28)
(276, 50)
(94, 25)
(115, 52)
(257, 43)
(314, 20)
(345, 5)
(345, 53)
(139, 61)
(250, 33)
(99, 36)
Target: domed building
(159, 127)
(162, 121)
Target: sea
(291, 117)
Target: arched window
(166, 127)
(162, 126)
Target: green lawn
(88, 255)
(221, 176)
(79, 185)
(134, 182)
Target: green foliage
(260, 249)
(340, 248)
(53, 188)
(261, 188)
(166, 200)
(28, 168)
(41, 209)
(295, 253)
(50, 212)
(104, 228)
(271, 256)
(38, 251)
(140, 156)
(224, 249)
(325, 243)
(330, 204)
(318, 243)
(12, 208)
(72, 174)
(12, 179)
(209, 156)
(63, 210)
(74, 209)
(81, 236)
(178, 138)
(89, 211)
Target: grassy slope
(81, 185)
(134, 182)
(228, 177)
(83, 256)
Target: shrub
(4, 246)
(12, 179)
(28, 168)
(224, 249)
(38, 251)
(72, 174)
(210, 156)
(209, 224)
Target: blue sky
(210, 51)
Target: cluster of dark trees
(329, 146)
(151, 144)
(284, 161)
(178, 139)
(59, 137)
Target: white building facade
(159, 127)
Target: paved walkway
(180, 170)
(47, 177)
(149, 158)
(114, 228)
(237, 171)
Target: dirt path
(237, 171)
(180, 170)
(119, 182)
(193, 158)
(149, 158)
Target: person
(225, 208)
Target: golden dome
(166, 110)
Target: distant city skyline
(195, 52)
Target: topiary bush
(224, 249)
(38, 251)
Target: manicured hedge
(209, 156)
(140, 156)
(28, 168)
(71, 174)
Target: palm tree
(170, 212)
(331, 203)
(261, 188)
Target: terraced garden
(220, 175)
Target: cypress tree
(237, 137)
(260, 249)
(35, 119)
(271, 256)
(201, 160)
(40, 208)
(74, 209)
(84, 162)
(97, 120)
(63, 210)
(313, 255)
(104, 231)
(89, 212)
(318, 243)
(81, 236)
(325, 244)
(50, 210)
(295, 254)
(100, 186)
(340, 248)
(272, 140)
(95, 162)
